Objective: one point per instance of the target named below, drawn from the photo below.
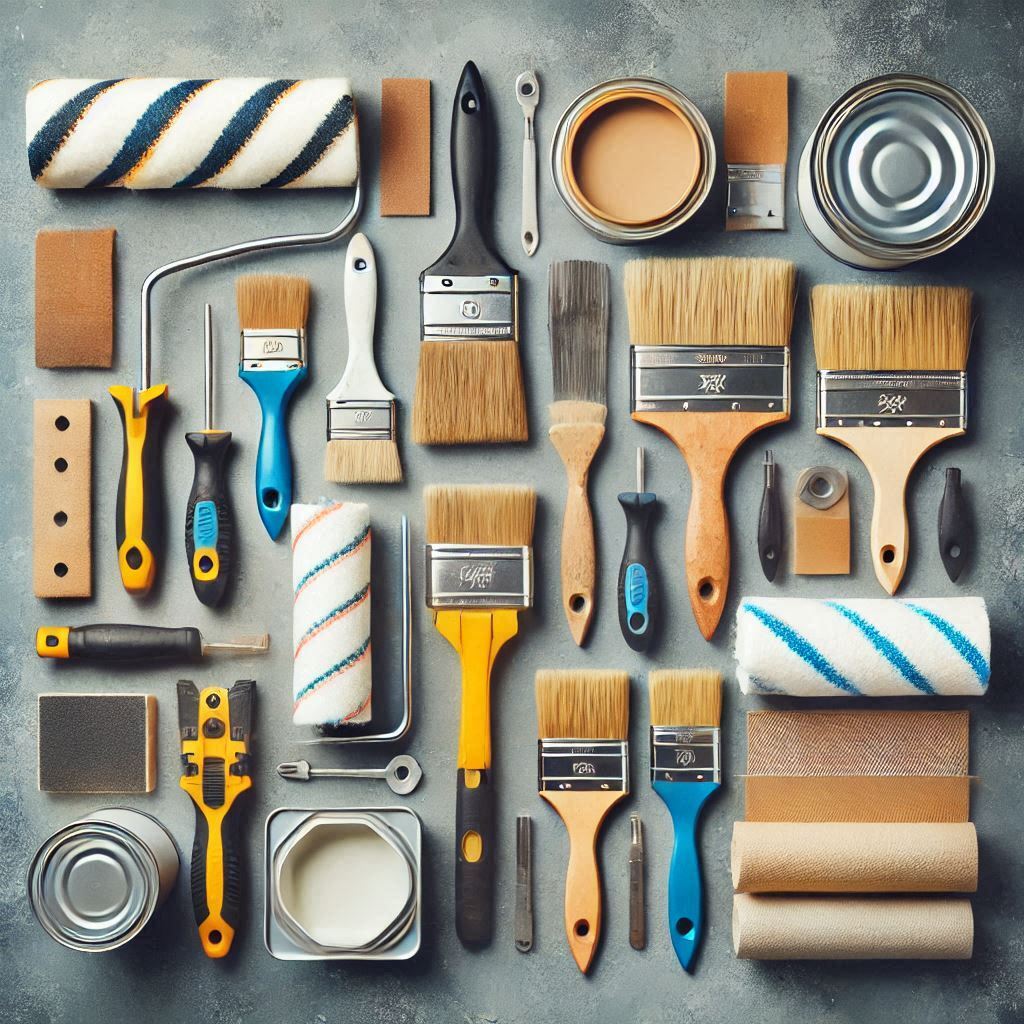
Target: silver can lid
(93, 886)
(902, 167)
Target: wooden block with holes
(62, 498)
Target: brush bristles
(565, 413)
(582, 705)
(362, 462)
(718, 301)
(469, 392)
(476, 514)
(686, 697)
(578, 325)
(880, 327)
(266, 301)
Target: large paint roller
(156, 133)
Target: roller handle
(120, 643)
(638, 589)
(209, 537)
(685, 801)
(954, 526)
(139, 519)
(216, 880)
(474, 858)
(274, 389)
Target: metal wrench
(528, 94)
(402, 773)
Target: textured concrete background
(826, 46)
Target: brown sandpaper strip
(405, 147)
(62, 498)
(889, 798)
(821, 538)
(852, 927)
(857, 742)
(75, 298)
(756, 117)
(853, 857)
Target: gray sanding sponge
(97, 742)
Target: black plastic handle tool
(474, 860)
(118, 642)
(209, 540)
(639, 592)
(769, 524)
(955, 539)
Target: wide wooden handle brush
(583, 771)
(709, 367)
(891, 385)
(479, 573)
(578, 325)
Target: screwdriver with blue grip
(686, 768)
(639, 593)
(209, 542)
(272, 312)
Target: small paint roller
(801, 647)
(332, 674)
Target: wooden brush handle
(583, 815)
(889, 454)
(577, 443)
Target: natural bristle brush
(686, 768)
(583, 771)
(891, 385)
(709, 363)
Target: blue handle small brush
(686, 768)
(272, 311)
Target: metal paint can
(677, 149)
(898, 169)
(95, 884)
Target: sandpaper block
(74, 298)
(97, 742)
(821, 523)
(405, 147)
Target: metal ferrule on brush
(712, 378)
(273, 349)
(681, 754)
(470, 308)
(902, 398)
(479, 576)
(583, 765)
(360, 421)
(757, 193)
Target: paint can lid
(93, 886)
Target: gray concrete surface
(826, 46)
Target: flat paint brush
(479, 574)
(578, 325)
(469, 384)
(583, 771)
(686, 768)
(272, 312)
(709, 367)
(891, 385)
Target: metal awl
(528, 95)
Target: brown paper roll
(851, 928)
(894, 798)
(847, 857)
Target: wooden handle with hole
(577, 443)
(583, 814)
(708, 441)
(889, 454)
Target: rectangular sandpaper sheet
(405, 147)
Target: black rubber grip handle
(954, 526)
(134, 643)
(215, 938)
(769, 531)
(638, 590)
(474, 860)
(208, 526)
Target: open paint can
(898, 169)
(95, 884)
(632, 159)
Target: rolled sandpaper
(851, 927)
(854, 857)
(185, 133)
(332, 669)
(801, 647)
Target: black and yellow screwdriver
(208, 531)
(215, 727)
